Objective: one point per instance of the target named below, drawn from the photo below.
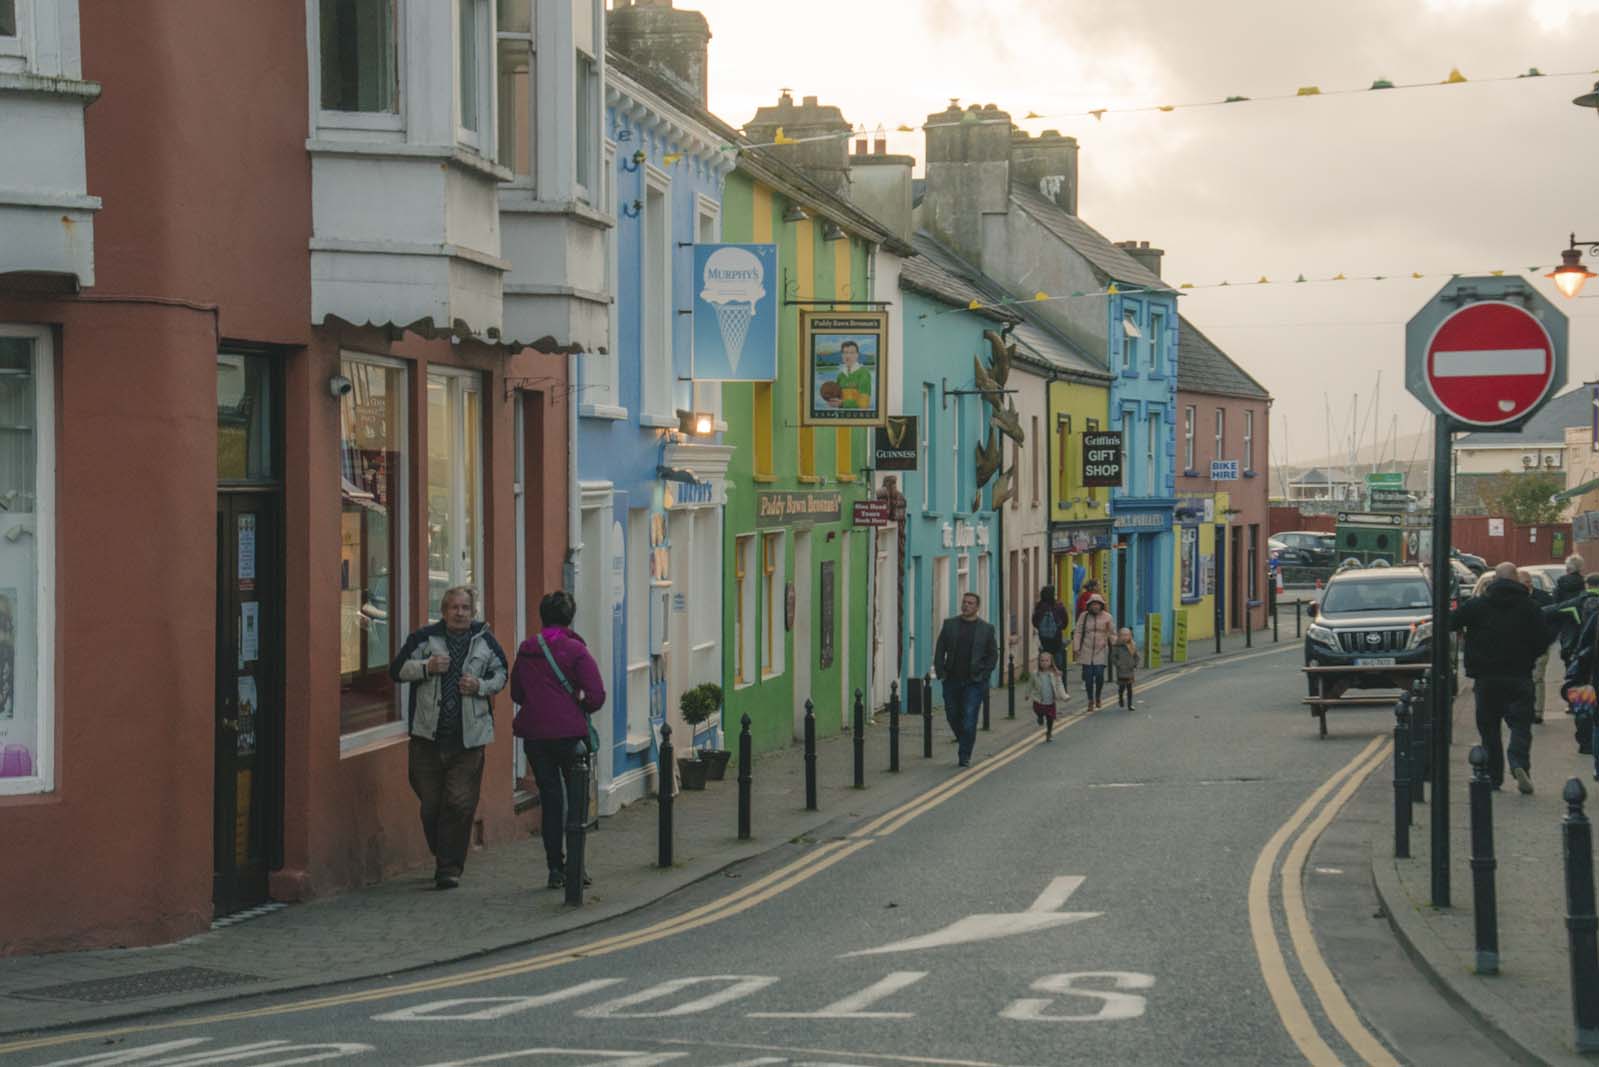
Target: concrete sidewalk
(1529, 1002)
(403, 923)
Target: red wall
(1284, 518)
(1248, 495)
(1518, 544)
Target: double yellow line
(1285, 997)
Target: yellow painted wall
(1070, 501)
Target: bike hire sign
(1102, 458)
(735, 313)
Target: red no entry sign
(1490, 363)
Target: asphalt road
(1114, 897)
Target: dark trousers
(447, 784)
(553, 760)
(1506, 701)
(963, 701)
(1094, 680)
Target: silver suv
(1371, 618)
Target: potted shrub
(698, 705)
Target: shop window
(744, 610)
(455, 485)
(244, 418)
(27, 537)
(374, 458)
(773, 604)
(359, 56)
(517, 74)
(1190, 563)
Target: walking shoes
(1523, 779)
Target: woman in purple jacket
(556, 686)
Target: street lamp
(1572, 274)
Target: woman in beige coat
(1091, 641)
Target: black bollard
(577, 803)
(810, 756)
(1484, 903)
(745, 757)
(987, 683)
(1249, 626)
(1402, 811)
(1421, 735)
(860, 740)
(1299, 607)
(927, 717)
(1580, 922)
(663, 793)
(1010, 686)
(1274, 635)
(893, 727)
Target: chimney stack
(880, 185)
(670, 43)
(1047, 164)
(1148, 258)
(823, 151)
(968, 175)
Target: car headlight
(1421, 634)
(1322, 635)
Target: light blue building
(651, 470)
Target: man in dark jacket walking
(1505, 635)
(964, 659)
(1570, 584)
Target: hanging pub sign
(735, 313)
(895, 444)
(1102, 458)
(843, 363)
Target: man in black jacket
(1504, 637)
(964, 659)
(1570, 584)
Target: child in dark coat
(1124, 660)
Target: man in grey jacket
(964, 659)
(453, 666)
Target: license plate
(1375, 661)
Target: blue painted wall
(1144, 387)
(938, 352)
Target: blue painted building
(651, 470)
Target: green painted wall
(811, 268)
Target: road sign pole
(1442, 689)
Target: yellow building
(1080, 536)
(1194, 593)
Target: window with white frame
(1130, 335)
(1188, 437)
(1036, 450)
(1152, 454)
(1249, 440)
(706, 621)
(1157, 341)
(374, 470)
(471, 67)
(454, 485)
(745, 584)
(1221, 434)
(516, 72)
(956, 425)
(772, 576)
(601, 392)
(359, 55)
(658, 377)
(8, 18)
(1129, 483)
(638, 622)
(926, 462)
(707, 230)
(27, 587)
(586, 116)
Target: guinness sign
(895, 445)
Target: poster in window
(1190, 577)
(249, 632)
(246, 563)
(248, 701)
(826, 659)
(844, 360)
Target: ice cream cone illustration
(734, 283)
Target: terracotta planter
(692, 772)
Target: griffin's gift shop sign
(780, 509)
(1102, 457)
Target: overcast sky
(1458, 178)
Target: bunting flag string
(1112, 289)
(1454, 77)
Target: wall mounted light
(339, 386)
(832, 231)
(695, 423)
(795, 213)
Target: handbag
(560, 676)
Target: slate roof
(1571, 408)
(1110, 262)
(926, 276)
(1202, 367)
(1034, 338)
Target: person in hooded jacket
(1505, 635)
(1049, 620)
(556, 686)
(1571, 583)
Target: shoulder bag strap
(560, 675)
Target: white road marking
(251, 1054)
(738, 986)
(854, 1006)
(1117, 1005)
(499, 1007)
(607, 1057)
(924, 1061)
(988, 927)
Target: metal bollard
(893, 727)
(810, 756)
(663, 793)
(745, 757)
(1299, 618)
(1274, 635)
(927, 717)
(1010, 686)
(1580, 922)
(1484, 902)
(1421, 734)
(1249, 625)
(577, 803)
(987, 684)
(1402, 812)
(860, 740)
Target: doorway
(1222, 595)
(248, 802)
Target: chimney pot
(880, 145)
(672, 44)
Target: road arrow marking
(1044, 913)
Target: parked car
(1303, 548)
(1374, 618)
(1476, 564)
(1545, 575)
